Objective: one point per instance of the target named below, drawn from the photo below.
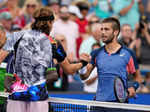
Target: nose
(102, 31)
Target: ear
(116, 32)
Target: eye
(106, 29)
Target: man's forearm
(125, 10)
(95, 2)
(138, 76)
(70, 68)
(3, 55)
(86, 73)
(90, 81)
(138, 52)
(147, 36)
(141, 7)
(2, 36)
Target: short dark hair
(115, 23)
(82, 5)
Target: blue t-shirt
(109, 66)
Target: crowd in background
(77, 27)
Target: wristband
(58, 52)
(84, 63)
(82, 71)
(136, 85)
(51, 69)
(133, 84)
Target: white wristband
(82, 71)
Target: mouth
(104, 37)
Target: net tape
(89, 103)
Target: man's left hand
(132, 92)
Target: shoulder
(94, 53)
(15, 35)
(128, 50)
(73, 23)
(131, 55)
(19, 33)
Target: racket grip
(136, 96)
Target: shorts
(22, 106)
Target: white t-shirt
(92, 87)
(70, 30)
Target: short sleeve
(11, 40)
(134, 59)
(131, 66)
(93, 56)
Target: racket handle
(136, 96)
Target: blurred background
(77, 27)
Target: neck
(112, 47)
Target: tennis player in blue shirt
(112, 61)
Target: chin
(104, 41)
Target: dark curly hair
(42, 16)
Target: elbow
(121, 14)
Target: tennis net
(74, 105)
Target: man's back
(33, 55)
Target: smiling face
(107, 33)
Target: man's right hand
(132, 92)
(85, 59)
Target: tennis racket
(120, 91)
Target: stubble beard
(110, 39)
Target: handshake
(60, 54)
(85, 59)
